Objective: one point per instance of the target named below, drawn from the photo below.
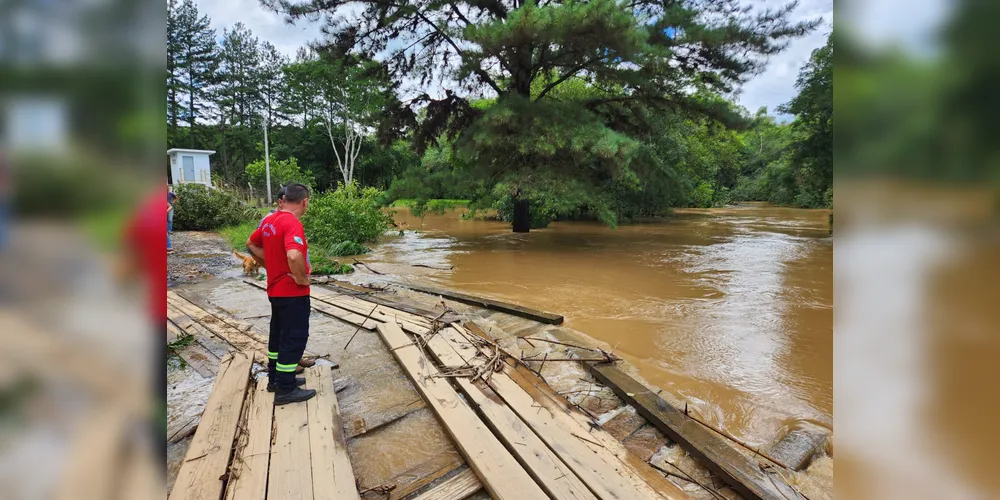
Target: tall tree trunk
(521, 222)
(191, 118)
(225, 153)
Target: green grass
(237, 235)
(436, 203)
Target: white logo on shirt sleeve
(298, 240)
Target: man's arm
(297, 264)
(255, 245)
(256, 252)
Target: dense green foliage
(225, 88)
(199, 208)
(351, 213)
(573, 87)
(282, 172)
(583, 109)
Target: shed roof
(182, 150)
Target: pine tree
(192, 59)
(239, 93)
(634, 55)
(239, 99)
(273, 86)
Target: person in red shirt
(281, 241)
(144, 260)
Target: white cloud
(265, 24)
(776, 84)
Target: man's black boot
(299, 382)
(293, 396)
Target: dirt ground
(199, 256)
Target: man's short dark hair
(281, 193)
(295, 192)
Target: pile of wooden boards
(521, 445)
(247, 448)
(244, 446)
(517, 435)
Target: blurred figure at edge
(143, 259)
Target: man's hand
(300, 281)
(297, 264)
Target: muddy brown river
(731, 310)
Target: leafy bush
(432, 205)
(326, 266)
(702, 196)
(345, 248)
(200, 208)
(282, 172)
(351, 213)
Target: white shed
(190, 166)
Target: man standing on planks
(281, 241)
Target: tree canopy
(636, 58)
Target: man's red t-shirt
(146, 237)
(277, 234)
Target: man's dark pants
(287, 341)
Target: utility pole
(267, 163)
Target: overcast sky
(776, 85)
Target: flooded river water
(730, 310)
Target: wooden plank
(555, 421)
(426, 473)
(142, 476)
(457, 487)
(337, 311)
(200, 359)
(363, 307)
(173, 332)
(496, 305)
(345, 315)
(355, 311)
(235, 337)
(500, 473)
(541, 463)
(797, 448)
(740, 472)
(367, 302)
(377, 311)
(96, 457)
(598, 468)
(333, 477)
(248, 479)
(216, 345)
(208, 455)
(369, 295)
(290, 474)
(363, 425)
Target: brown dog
(250, 265)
